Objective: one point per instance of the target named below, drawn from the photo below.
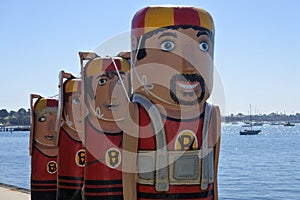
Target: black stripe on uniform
(110, 197)
(70, 178)
(175, 195)
(103, 190)
(43, 182)
(69, 184)
(102, 182)
(43, 187)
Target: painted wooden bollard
(105, 100)
(69, 135)
(42, 149)
(176, 141)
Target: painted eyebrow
(101, 75)
(121, 72)
(115, 73)
(106, 75)
(202, 33)
(168, 34)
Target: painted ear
(87, 55)
(66, 75)
(124, 54)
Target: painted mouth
(49, 137)
(187, 87)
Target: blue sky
(256, 54)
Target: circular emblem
(52, 167)
(186, 140)
(113, 158)
(80, 158)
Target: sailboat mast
(251, 124)
(250, 114)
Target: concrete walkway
(11, 193)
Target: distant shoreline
(14, 128)
(15, 188)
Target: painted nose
(188, 58)
(112, 86)
(110, 90)
(51, 125)
(114, 91)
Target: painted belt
(185, 167)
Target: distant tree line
(13, 118)
(273, 117)
(22, 117)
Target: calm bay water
(15, 159)
(265, 166)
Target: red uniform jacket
(71, 160)
(103, 175)
(180, 135)
(43, 176)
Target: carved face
(108, 99)
(177, 66)
(44, 127)
(73, 113)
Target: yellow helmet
(154, 17)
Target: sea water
(264, 166)
(15, 159)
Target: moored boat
(288, 124)
(258, 124)
(250, 132)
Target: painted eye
(167, 45)
(42, 119)
(203, 46)
(75, 100)
(102, 81)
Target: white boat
(275, 123)
(250, 131)
(258, 124)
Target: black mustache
(186, 78)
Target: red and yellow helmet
(99, 65)
(154, 17)
(46, 105)
(72, 85)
